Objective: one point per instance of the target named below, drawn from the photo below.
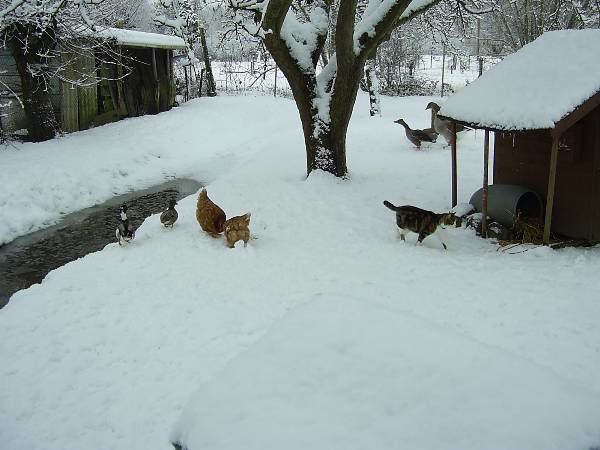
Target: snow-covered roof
(535, 87)
(131, 38)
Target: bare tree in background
(185, 22)
(519, 22)
(128, 14)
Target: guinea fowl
(169, 216)
(210, 217)
(418, 136)
(443, 126)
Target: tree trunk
(27, 45)
(211, 89)
(325, 137)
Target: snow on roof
(535, 87)
(131, 38)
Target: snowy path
(325, 315)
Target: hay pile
(526, 230)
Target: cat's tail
(390, 206)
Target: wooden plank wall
(523, 158)
(69, 107)
(11, 76)
(87, 96)
(593, 140)
(79, 105)
(15, 116)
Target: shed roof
(132, 38)
(535, 87)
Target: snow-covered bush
(413, 86)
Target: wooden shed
(543, 105)
(135, 74)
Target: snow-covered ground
(42, 182)
(198, 140)
(325, 332)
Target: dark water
(27, 259)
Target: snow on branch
(10, 8)
(475, 9)
(83, 12)
(40, 14)
(381, 17)
(326, 77)
(303, 37)
(175, 24)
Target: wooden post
(275, 88)
(202, 74)
(156, 83)
(478, 45)
(454, 177)
(443, 67)
(551, 185)
(170, 82)
(484, 197)
(187, 85)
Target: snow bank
(535, 87)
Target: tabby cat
(421, 221)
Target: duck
(124, 232)
(418, 136)
(169, 216)
(443, 126)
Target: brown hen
(210, 217)
(236, 229)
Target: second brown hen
(210, 217)
(236, 229)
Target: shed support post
(484, 196)
(454, 176)
(551, 185)
(156, 83)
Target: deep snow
(326, 320)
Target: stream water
(27, 259)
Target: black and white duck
(418, 136)
(169, 216)
(124, 232)
(443, 126)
